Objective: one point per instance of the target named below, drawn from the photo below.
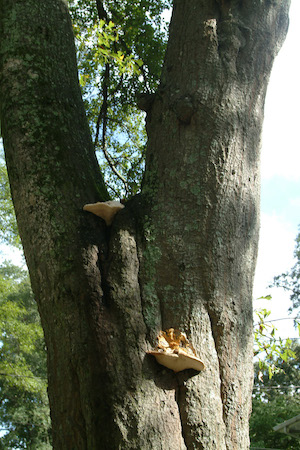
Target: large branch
(202, 178)
(53, 172)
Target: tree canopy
(120, 50)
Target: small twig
(275, 387)
(110, 161)
(98, 126)
(103, 116)
(110, 187)
(276, 320)
(269, 338)
(286, 288)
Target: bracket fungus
(105, 210)
(175, 352)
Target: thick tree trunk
(180, 255)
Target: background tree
(290, 280)
(180, 255)
(24, 409)
(274, 401)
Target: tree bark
(182, 254)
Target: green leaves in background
(290, 281)
(275, 401)
(269, 348)
(8, 225)
(276, 393)
(120, 50)
(24, 409)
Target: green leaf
(266, 297)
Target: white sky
(280, 205)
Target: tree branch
(103, 116)
(102, 14)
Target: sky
(280, 175)
(280, 171)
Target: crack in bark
(178, 400)
(214, 336)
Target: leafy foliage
(268, 347)
(24, 410)
(275, 400)
(120, 49)
(8, 225)
(290, 281)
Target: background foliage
(290, 281)
(120, 50)
(8, 225)
(24, 410)
(274, 401)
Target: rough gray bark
(180, 255)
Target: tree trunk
(182, 254)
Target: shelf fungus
(175, 352)
(105, 210)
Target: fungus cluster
(105, 210)
(174, 351)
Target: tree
(290, 280)
(24, 409)
(182, 254)
(275, 401)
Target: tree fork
(180, 255)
